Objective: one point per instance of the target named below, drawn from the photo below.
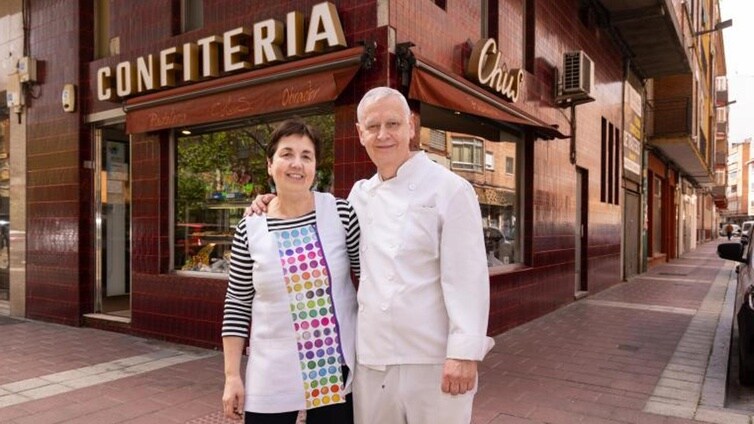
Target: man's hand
(458, 376)
(259, 204)
(233, 398)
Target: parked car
(743, 253)
(736, 230)
(745, 230)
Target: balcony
(670, 129)
(655, 32)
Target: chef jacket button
(390, 277)
(384, 306)
(401, 289)
(361, 308)
(412, 187)
(399, 213)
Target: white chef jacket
(424, 289)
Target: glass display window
(217, 175)
(472, 151)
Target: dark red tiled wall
(58, 283)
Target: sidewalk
(652, 350)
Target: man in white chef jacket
(424, 289)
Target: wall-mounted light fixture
(718, 26)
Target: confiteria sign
(240, 49)
(484, 68)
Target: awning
(438, 88)
(289, 86)
(494, 196)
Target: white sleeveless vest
(274, 381)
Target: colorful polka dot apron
(307, 280)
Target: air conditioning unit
(578, 73)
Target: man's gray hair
(379, 93)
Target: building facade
(146, 122)
(739, 190)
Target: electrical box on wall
(14, 96)
(68, 98)
(27, 69)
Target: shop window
(217, 174)
(192, 15)
(467, 154)
(498, 192)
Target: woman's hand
(233, 398)
(259, 204)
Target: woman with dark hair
(290, 284)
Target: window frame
(476, 146)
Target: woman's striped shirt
(240, 294)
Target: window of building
(490, 20)
(101, 28)
(722, 114)
(610, 163)
(192, 15)
(437, 140)
(509, 167)
(530, 19)
(467, 153)
(217, 174)
(489, 161)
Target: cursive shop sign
(242, 48)
(485, 67)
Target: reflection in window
(496, 189)
(489, 161)
(467, 153)
(217, 175)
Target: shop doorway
(632, 234)
(582, 209)
(112, 187)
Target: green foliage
(234, 160)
